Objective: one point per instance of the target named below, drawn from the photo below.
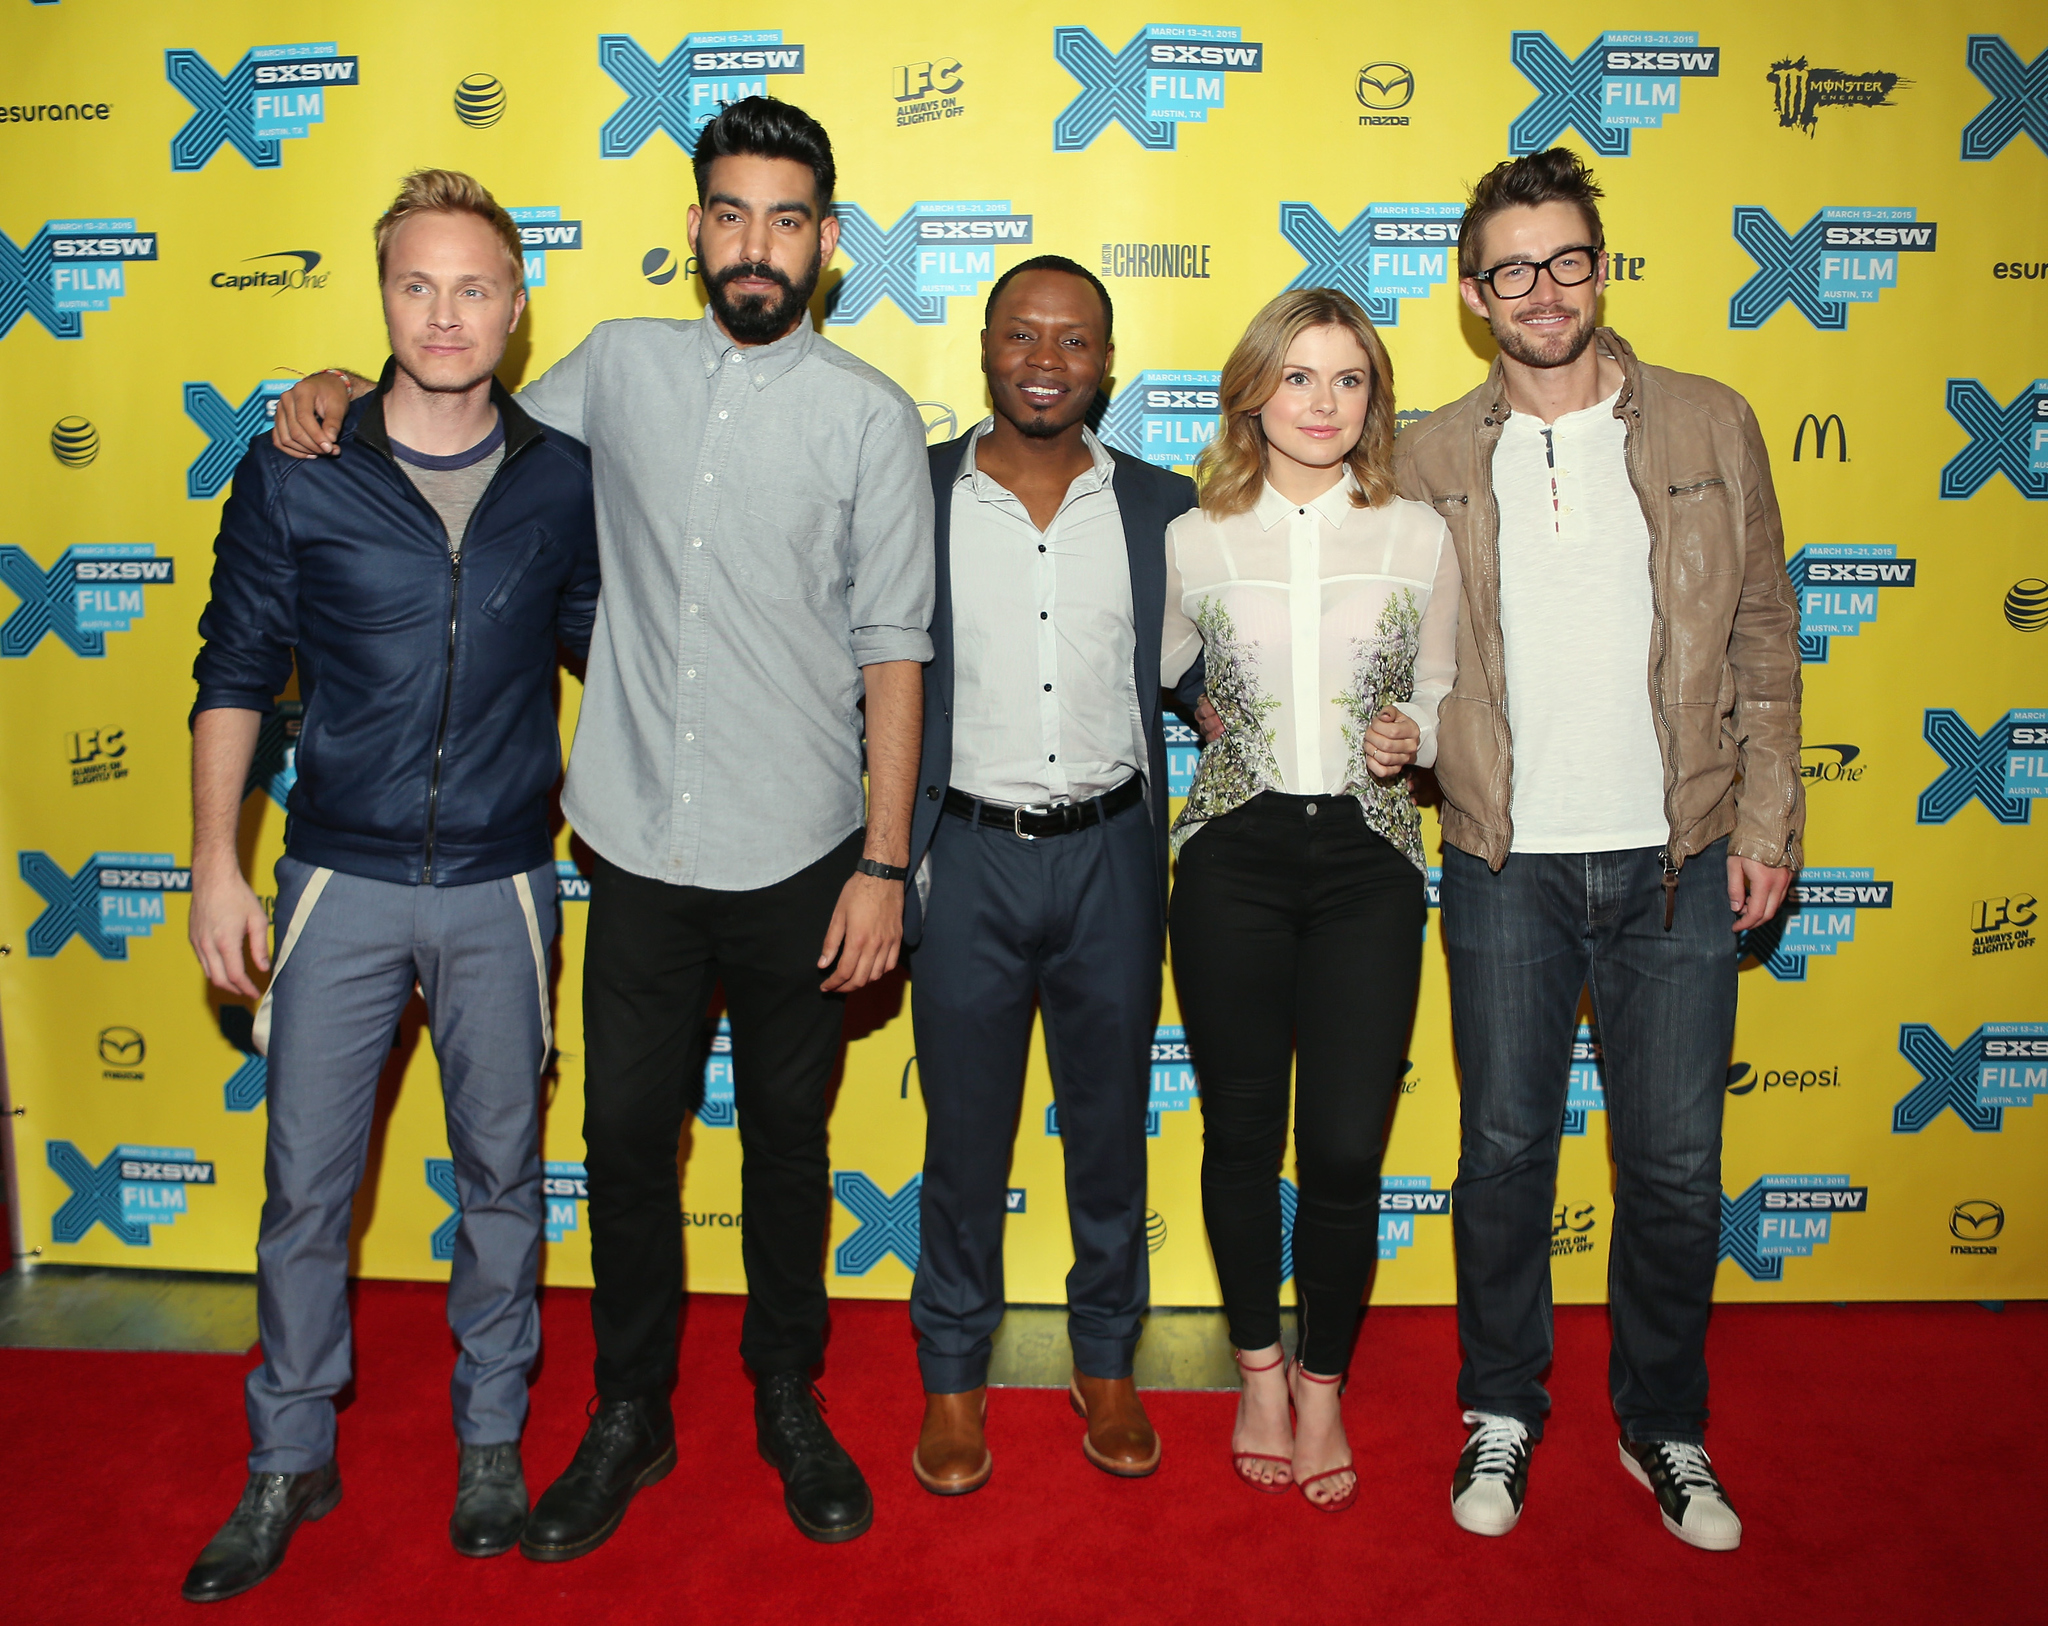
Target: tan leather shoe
(1120, 1439)
(952, 1455)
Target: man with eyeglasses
(1619, 761)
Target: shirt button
(760, 378)
(725, 414)
(689, 736)
(1052, 759)
(691, 673)
(696, 541)
(1311, 809)
(1048, 688)
(1041, 547)
(707, 479)
(1041, 615)
(693, 609)
(686, 796)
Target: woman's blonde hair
(1233, 465)
(450, 192)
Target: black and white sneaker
(1492, 1476)
(1696, 1508)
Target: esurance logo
(936, 249)
(688, 88)
(2005, 767)
(275, 94)
(93, 589)
(1167, 75)
(541, 229)
(68, 268)
(1818, 918)
(1165, 417)
(2011, 440)
(1403, 1198)
(132, 1190)
(1839, 258)
(1785, 1216)
(115, 896)
(228, 429)
(1389, 252)
(2002, 1064)
(1837, 588)
(1626, 80)
(1585, 1087)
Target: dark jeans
(1297, 938)
(655, 953)
(1522, 944)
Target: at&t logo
(2002, 1064)
(130, 1191)
(1837, 588)
(1167, 75)
(93, 589)
(2005, 767)
(1839, 258)
(275, 94)
(1389, 252)
(541, 229)
(1818, 917)
(113, 897)
(686, 89)
(480, 101)
(935, 250)
(2011, 440)
(67, 268)
(1626, 80)
(1165, 417)
(1785, 1216)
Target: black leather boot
(253, 1541)
(826, 1496)
(630, 1443)
(490, 1501)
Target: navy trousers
(1070, 923)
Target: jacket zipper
(1497, 647)
(1664, 744)
(441, 732)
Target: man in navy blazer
(1038, 853)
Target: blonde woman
(1326, 610)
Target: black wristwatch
(881, 871)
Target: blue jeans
(1522, 944)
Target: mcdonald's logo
(1820, 438)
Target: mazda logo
(940, 423)
(1385, 87)
(1978, 1220)
(121, 1047)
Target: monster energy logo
(1800, 92)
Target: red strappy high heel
(1336, 1504)
(1238, 1459)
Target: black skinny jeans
(1297, 936)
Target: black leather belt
(1057, 819)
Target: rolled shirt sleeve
(889, 602)
(250, 625)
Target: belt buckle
(1017, 820)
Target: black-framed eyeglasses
(1568, 267)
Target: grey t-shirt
(454, 484)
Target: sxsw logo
(563, 1186)
(2002, 1064)
(1819, 916)
(1837, 588)
(1785, 1216)
(2011, 440)
(68, 268)
(2019, 98)
(1167, 75)
(228, 429)
(1624, 81)
(93, 589)
(716, 1110)
(1183, 751)
(884, 1224)
(686, 89)
(1165, 417)
(131, 1189)
(1839, 258)
(1389, 252)
(1585, 1090)
(541, 229)
(571, 884)
(2005, 767)
(276, 93)
(1402, 1198)
(934, 250)
(114, 897)
(1174, 1087)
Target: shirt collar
(1335, 505)
(766, 362)
(1095, 479)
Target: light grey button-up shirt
(764, 522)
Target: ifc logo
(1385, 87)
(75, 443)
(480, 101)
(2026, 605)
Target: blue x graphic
(1786, 270)
(1948, 1079)
(273, 768)
(887, 1224)
(95, 1196)
(1567, 97)
(657, 97)
(884, 267)
(1739, 1236)
(2019, 97)
(26, 289)
(46, 606)
(1337, 259)
(1975, 768)
(441, 1181)
(73, 909)
(1999, 437)
(1112, 89)
(221, 113)
(229, 429)
(247, 1085)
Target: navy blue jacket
(1149, 500)
(429, 742)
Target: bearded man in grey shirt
(764, 522)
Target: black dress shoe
(253, 1541)
(490, 1501)
(630, 1443)
(826, 1496)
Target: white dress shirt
(1045, 702)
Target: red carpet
(1883, 1459)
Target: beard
(761, 318)
(1559, 349)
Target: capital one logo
(1839, 258)
(1626, 80)
(130, 1191)
(2011, 440)
(1167, 75)
(1785, 1216)
(1818, 918)
(689, 87)
(275, 94)
(2005, 767)
(1389, 252)
(2019, 98)
(1837, 588)
(228, 429)
(884, 1224)
(93, 589)
(114, 897)
(1166, 417)
(67, 268)
(540, 229)
(2002, 1064)
(935, 250)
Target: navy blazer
(1149, 500)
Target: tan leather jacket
(1724, 644)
